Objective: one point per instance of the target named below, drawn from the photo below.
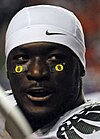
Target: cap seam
(81, 33)
(28, 15)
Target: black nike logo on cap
(55, 33)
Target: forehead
(40, 48)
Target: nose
(38, 70)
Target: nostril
(29, 77)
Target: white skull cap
(46, 23)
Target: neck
(38, 122)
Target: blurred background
(88, 12)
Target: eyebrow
(43, 49)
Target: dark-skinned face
(45, 78)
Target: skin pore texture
(43, 92)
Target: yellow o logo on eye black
(18, 69)
(59, 67)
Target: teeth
(38, 94)
(33, 98)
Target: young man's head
(45, 61)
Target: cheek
(17, 81)
(65, 84)
(66, 89)
(62, 79)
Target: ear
(82, 71)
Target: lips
(38, 94)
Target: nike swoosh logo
(49, 33)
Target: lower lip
(33, 98)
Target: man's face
(44, 78)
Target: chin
(35, 111)
(38, 110)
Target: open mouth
(38, 94)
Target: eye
(59, 67)
(19, 69)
